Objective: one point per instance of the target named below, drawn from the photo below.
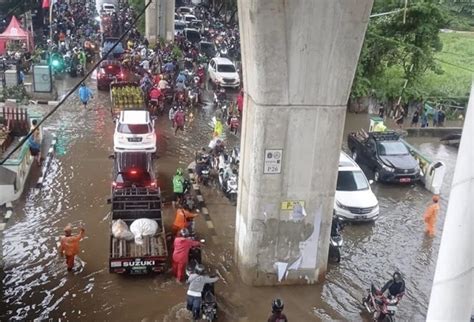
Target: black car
(192, 35)
(110, 70)
(386, 155)
(133, 169)
(208, 49)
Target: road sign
(272, 163)
(290, 204)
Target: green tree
(393, 42)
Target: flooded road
(37, 285)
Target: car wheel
(376, 176)
(354, 155)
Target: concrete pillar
(452, 294)
(299, 59)
(159, 20)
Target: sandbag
(143, 227)
(120, 230)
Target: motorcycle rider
(178, 185)
(395, 286)
(181, 247)
(202, 159)
(277, 311)
(85, 94)
(336, 226)
(181, 78)
(183, 219)
(196, 282)
(179, 120)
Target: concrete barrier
(432, 131)
(47, 162)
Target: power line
(104, 57)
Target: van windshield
(351, 181)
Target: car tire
(354, 155)
(376, 176)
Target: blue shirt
(168, 67)
(181, 78)
(85, 93)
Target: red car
(108, 71)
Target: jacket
(70, 244)
(196, 283)
(181, 248)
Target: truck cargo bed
(152, 246)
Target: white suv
(222, 72)
(354, 199)
(134, 131)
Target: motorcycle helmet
(184, 232)
(397, 277)
(199, 269)
(277, 305)
(179, 172)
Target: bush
(17, 93)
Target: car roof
(110, 62)
(347, 164)
(134, 117)
(187, 8)
(191, 29)
(223, 61)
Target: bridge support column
(299, 59)
(159, 20)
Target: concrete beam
(299, 59)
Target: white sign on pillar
(272, 164)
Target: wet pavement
(37, 285)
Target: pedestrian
(277, 311)
(178, 186)
(430, 216)
(240, 102)
(179, 120)
(218, 127)
(196, 282)
(21, 77)
(34, 142)
(399, 120)
(181, 246)
(424, 119)
(435, 118)
(381, 111)
(183, 219)
(85, 94)
(69, 246)
(414, 119)
(441, 117)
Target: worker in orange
(430, 216)
(70, 245)
(182, 220)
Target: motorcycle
(234, 124)
(188, 201)
(235, 156)
(194, 94)
(381, 307)
(228, 180)
(336, 240)
(209, 303)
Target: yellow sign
(290, 204)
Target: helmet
(199, 269)
(83, 84)
(277, 305)
(184, 232)
(179, 172)
(435, 198)
(397, 276)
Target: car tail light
(121, 75)
(117, 185)
(153, 184)
(133, 172)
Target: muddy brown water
(36, 284)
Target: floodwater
(37, 285)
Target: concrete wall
(433, 131)
(159, 20)
(299, 59)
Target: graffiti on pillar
(308, 250)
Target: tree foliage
(396, 50)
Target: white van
(354, 199)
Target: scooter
(235, 156)
(381, 307)
(336, 241)
(188, 201)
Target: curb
(41, 102)
(47, 162)
(202, 204)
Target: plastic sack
(120, 230)
(143, 227)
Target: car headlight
(387, 168)
(340, 205)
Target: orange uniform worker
(182, 220)
(70, 245)
(430, 216)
